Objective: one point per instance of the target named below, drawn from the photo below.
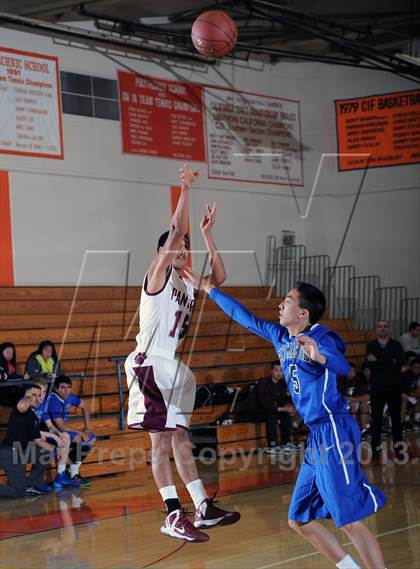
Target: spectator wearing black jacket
(9, 395)
(267, 402)
(23, 445)
(385, 358)
(7, 361)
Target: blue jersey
(41, 411)
(60, 409)
(312, 386)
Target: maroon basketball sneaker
(178, 525)
(208, 515)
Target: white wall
(99, 199)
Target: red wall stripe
(6, 243)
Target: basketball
(214, 33)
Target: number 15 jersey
(165, 316)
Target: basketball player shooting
(161, 388)
(331, 483)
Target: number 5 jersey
(312, 386)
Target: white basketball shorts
(161, 393)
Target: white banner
(253, 138)
(30, 107)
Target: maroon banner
(161, 118)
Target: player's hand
(310, 349)
(290, 409)
(188, 177)
(199, 283)
(371, 358)
(208, 219)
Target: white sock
(61, 468)
(348, 563)
(197, 491)
(62, 506)
(168, 493)
(74, 469)
(76, 501)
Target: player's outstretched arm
(156, 273)
(237, 311)
(218, 273)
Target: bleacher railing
(338, 290)
(361, 298)
(388, 305)
(270, 263)
(118, 360)
(312, 269)
(288, 258)
(410, 312)
(363, 291)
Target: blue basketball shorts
(73, 435)
(331, 482)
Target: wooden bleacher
(103, 322)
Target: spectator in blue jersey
(331, 483)
(59, 439)
(43, 362)
(267, 402)
(60, 403)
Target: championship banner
(253, 138)
(30, 117)
(161, 118)
(379, 130)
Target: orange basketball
(214, 33)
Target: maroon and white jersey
(165, 316)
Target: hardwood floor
(115, 523)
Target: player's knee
(181, 436)
(65, 438)
(162, 443)
(296, 526)
(349, 529)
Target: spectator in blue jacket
(60, 403)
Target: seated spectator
(60, 402)
(23, 445)
(410, 402)
(8, 361)
(9, 396)
(410, 341)
(354, 387)
(59, 439)
(267, 402)
(409, 358)
(43, 362)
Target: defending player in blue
(331, 483)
